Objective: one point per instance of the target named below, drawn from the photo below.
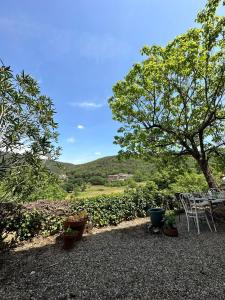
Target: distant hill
(111, 165)
(58, 167)
(103, 167)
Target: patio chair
(194, 209)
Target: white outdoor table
(212, 200)
(208, 202)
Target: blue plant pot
(156, 216)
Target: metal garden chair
(194, 208)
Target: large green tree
(173, 101)
(27, 130)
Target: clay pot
(78, 225)
(170, 231)
(69, 239)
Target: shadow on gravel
(124, 263)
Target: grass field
(97, 190)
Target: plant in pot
(156, 216)
(77, 222)
(169, 227)
(69, 237)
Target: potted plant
(169, 227)
(156, 216)
(69, 237)
(77, 222)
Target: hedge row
(102, 210)
(19, 224)
(105, 210)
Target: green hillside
(59, 167)
(112, 165)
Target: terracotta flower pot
(69, 239)
(170, 231)
(78, 225)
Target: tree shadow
(121, 263)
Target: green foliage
(151, 186)
(51, 224)
(13, 219)
(97, 180)
(139, 176)
(31, 183)
(116, 183)
(172, 102)
(58, 167)
(29, 225)
(28, 132)
(24, 225)
(102, 211)
(8, 219)
(51, 191)
(70, 231)
(131, 183)
(188, 182)
(113, 209)
(69, 186)
(92, 171)
(170, 218)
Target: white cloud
(80, 126)
(21, 149)
(98, 153)
(87, 105)
(71, 140)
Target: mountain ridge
(102, 166)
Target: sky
(78, 49)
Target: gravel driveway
(120, 262)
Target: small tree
(173, 102)
(27, 130)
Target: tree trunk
(203, 163)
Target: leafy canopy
(27, 129)
(173, 101)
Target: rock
(32, 272)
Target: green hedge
(102, 210)
(25, 224)
(111, 210)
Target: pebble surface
(122, 262)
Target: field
(97, 190)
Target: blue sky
(77, 50)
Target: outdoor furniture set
(198, 206)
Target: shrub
(9, 213)
(131, 183)
(189, 182)
(113, 209)
(24, 225)
(97, 180)
(51, 192)
(28, 225)
(116, 183)
(103, 210)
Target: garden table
(209, 201)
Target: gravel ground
(120, 262)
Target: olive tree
(173, 101)
(27, 129)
